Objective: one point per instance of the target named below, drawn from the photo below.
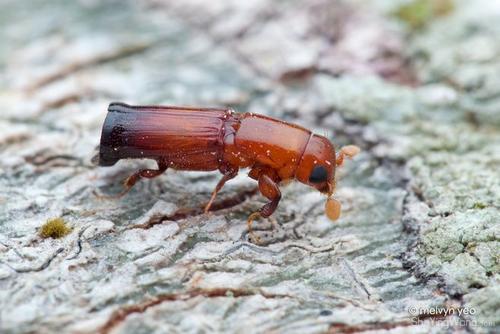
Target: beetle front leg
(269, 188)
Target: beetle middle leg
(269, 188)
(229, 173)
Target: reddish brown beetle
(205, 139)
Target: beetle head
(317, 165)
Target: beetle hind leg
(144, 173)
(132, 179)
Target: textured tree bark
(418, 230)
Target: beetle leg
(132, 179)
(269, 188)
(228, 175)
(251, 218)
(143, 173)
(255, 172)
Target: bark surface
(417, 88)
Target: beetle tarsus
(256, 215)
(269, 188)
(254, 237)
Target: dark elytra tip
(119, 114)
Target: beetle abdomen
(185, 138)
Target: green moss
(479, 205)
(418, 13)
(54, 228)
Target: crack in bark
(13, 248)
(266, 250)
(413, 240)
(341, 328)
(411, 229)
(77, 66)
(40, 267)
(356, 279)
(40, 160)
(260, 249)
(121, 315)
(185, 213)
(63, 100)
(78, 244)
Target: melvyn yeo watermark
(441, 316)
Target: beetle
(208, 139)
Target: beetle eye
(318, 175)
